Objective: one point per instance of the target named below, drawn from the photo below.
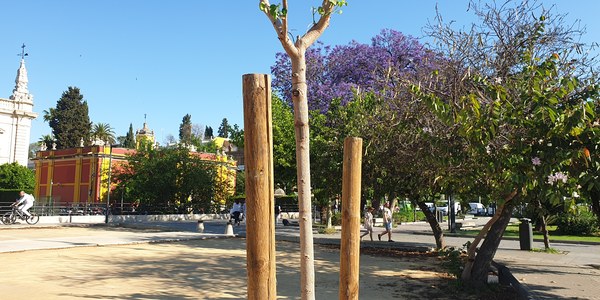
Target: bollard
(200, 226)
(229, 229)
(525, 234)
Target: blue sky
(166, 59)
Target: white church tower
(16, 114)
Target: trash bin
(525, 234)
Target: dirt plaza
(209, 268)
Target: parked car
(477, 209)
(444, 209)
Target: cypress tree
(70, 121)
(129, 141)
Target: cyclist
(27, 201)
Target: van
(477, 209)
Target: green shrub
(585, 223)
(407, 216)
(325, 230)
(336, 219)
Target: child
(368, 223)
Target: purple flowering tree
(340, 71)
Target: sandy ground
(202, 269)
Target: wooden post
(260, 205)
(350, 248)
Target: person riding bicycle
(26, 201)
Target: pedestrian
(236, 211)
(368, 223)
(387, 222)
(277, 213)
(27, 201)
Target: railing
(72, 209)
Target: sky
(160, 60)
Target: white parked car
(444, 209)
(477, 209)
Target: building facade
(16, 114)
(75, 175)
(81, 175)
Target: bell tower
(16, 114)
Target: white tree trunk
(299, 88)
(296, 51)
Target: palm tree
(48, 114)
(46, 139)
(103, 132)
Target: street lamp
(108, 184)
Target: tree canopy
(69, 120)
(17, 177)
(224, 129)
(185, 130)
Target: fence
(52, 208)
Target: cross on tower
(23, 54)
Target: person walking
(387, 222)
(368, 223)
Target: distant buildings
(80, 175)
(16, 114)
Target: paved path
(574, 274)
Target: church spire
(21, 93)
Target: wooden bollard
(260, 203)
(350, 242)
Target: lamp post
(108, 184)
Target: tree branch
(318, 28)
(280, 26)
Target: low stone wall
(97, 219)
(165, 218)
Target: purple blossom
(536, 161)
(336, 73)
(556, 177)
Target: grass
(513, 231)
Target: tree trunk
(485, 255)
(595, 199)
(471, 252)
(438, 233)
(299, 91)
(546, 234)
(329, 215)
(543, 224)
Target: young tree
(277, 14)
(224, 129)
(185, 130)
(70, 121)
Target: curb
(508, 238)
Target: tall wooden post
(350, 248)
(260, 206)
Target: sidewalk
(574, 274)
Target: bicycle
(11, 217)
